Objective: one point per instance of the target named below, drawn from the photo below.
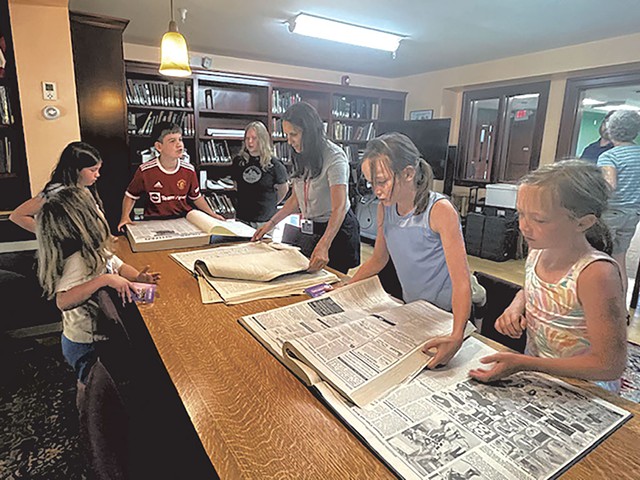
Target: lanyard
(306, 197)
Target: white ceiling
(442, 33)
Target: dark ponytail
(424, 185)
(599, 237)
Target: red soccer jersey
(168, 191)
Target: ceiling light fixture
(324, 28)
(173, 52)
(608, 107)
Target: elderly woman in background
(621, 168)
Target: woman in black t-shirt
(260, 177)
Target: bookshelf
(217, 106)
(14, 177)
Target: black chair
(500, 294)
(102, 408)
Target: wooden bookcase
(14, 179)
(14, 174)
(219, 105)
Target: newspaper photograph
(443, 425)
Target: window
(501, 133)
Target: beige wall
(42, 43)
(253, 67)
(442, 90)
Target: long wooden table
(256, 420)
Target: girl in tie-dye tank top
(572, 305)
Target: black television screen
(430, 136)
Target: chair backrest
(500, 293)
(104, 425)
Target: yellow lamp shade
(175, 57)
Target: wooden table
(256, 420)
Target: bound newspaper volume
(194, 230)
(250, 271)
(439, 424)
(356, 338)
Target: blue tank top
(418, 255)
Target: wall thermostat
(50, 112)
(49, 91)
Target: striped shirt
(626, 160)
(556, 325)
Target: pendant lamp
(173, 51)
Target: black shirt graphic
(256, 188)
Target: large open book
(252, 271)
(356, 338)
(194, 230)
(441, 424)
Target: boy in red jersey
(167, 180)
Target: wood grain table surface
(256, 420)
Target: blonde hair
(69, 222)
(401, 153)
(580, 188)
(265, 146)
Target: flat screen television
(430, 136)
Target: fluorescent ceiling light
(624, 106)
(591, 101)
(318, 27)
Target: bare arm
(24, 215)
(289, 207)
(611, 176)
(281, 191)
(201, 204)
(444, 220)
(380, 256)
(600, 293)
(127, 206)
(320, 255)
(512, 321)
(81, 293)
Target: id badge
(306, 226)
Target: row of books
(343, 131)
(281, 100)
(6, 116)
(143, 123)
(221, 204)
(215, 151)
(358, 108)
(354, 153)
(283, 151)
(154, 93)
(5, 155)
(276, 128)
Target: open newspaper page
(213, 226)
(365, 358)
(443, 425)
(262, 263)
(274, 327)
(188, 259)
(150, 235)
(240, 291)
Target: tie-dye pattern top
(556, 326)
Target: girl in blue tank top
(420, 230)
